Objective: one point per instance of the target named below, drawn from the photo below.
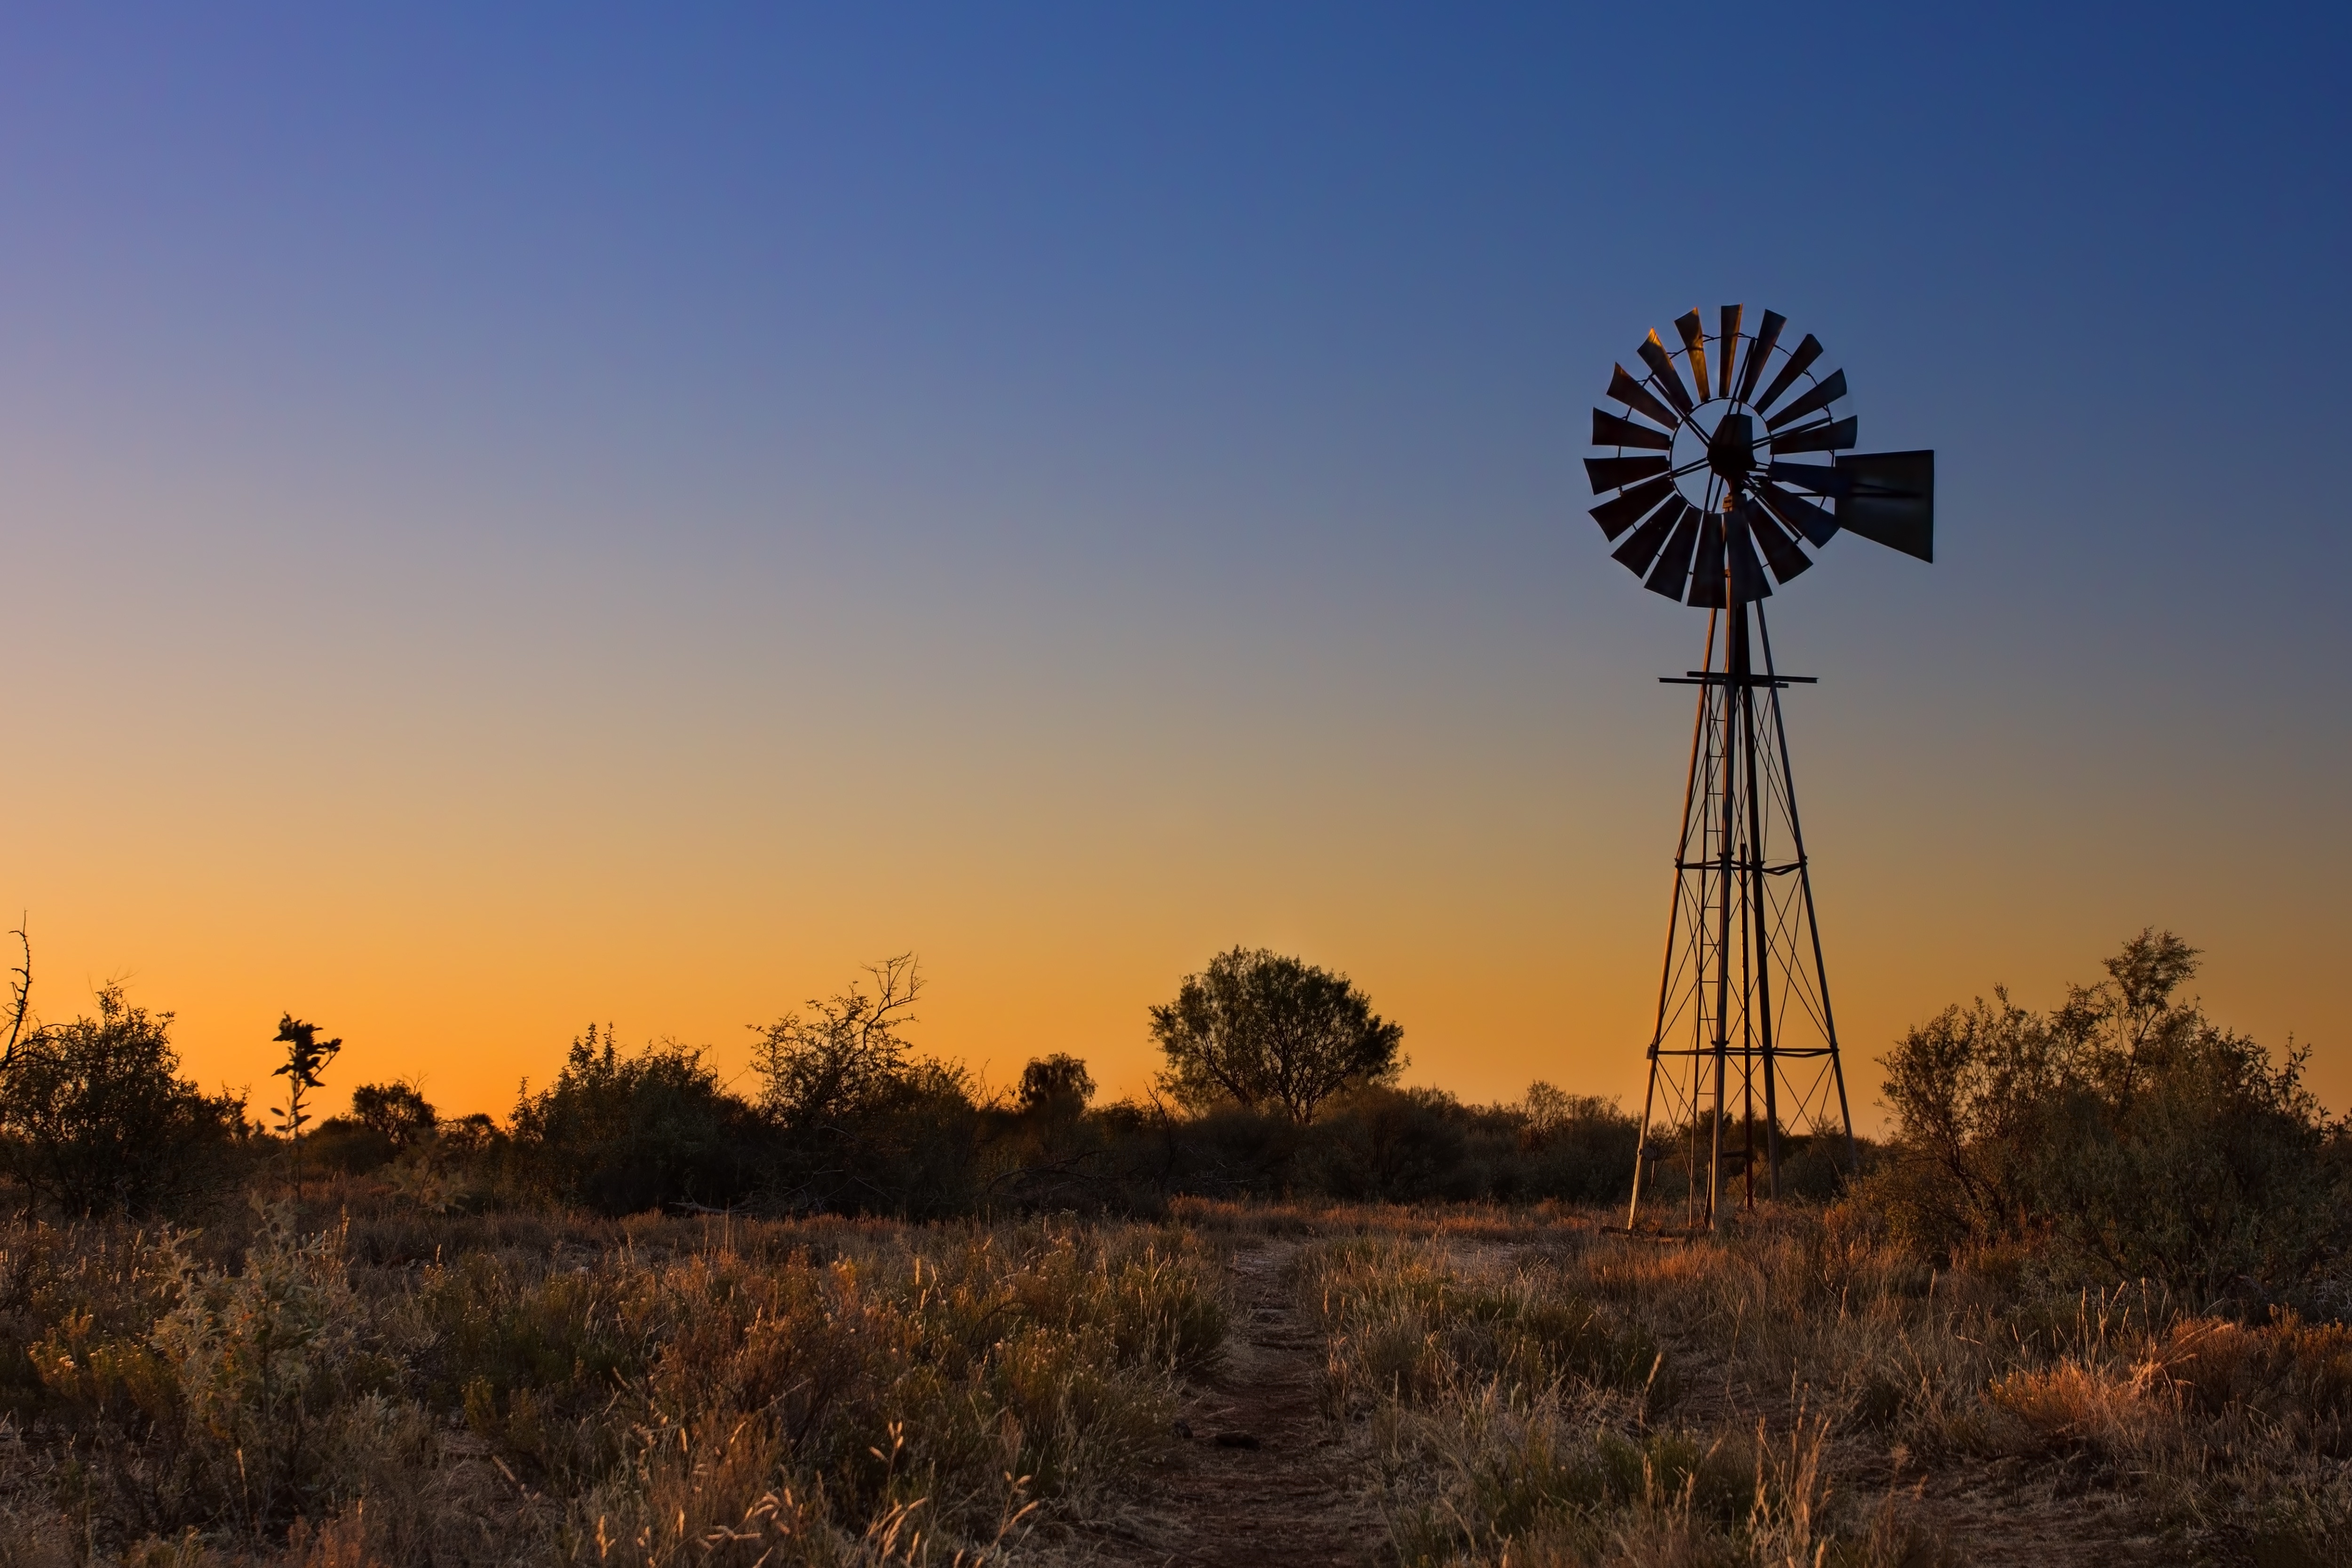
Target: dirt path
(1262, 1479)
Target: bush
(1396, 1144)
(862, 1124)
(1058, 1085)
(398, 1112)
(2139, 1138)
(1578, 1148)
(626, 1133)
(97, 1120)
(1409, 1145)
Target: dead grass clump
(1510, 1410)
(631, 1394)
(2115, 1413)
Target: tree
(1260, 1029)
(823, 1070)
(398, 1112)
(20, 1002)
(306, 1057)
(1058, 1082)
(99, 1121)
(865, 1123)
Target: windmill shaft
(1743, 993)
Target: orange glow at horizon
(457, 921)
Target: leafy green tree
(97, 1120)
(1258, 1029)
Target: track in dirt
(1294, 1496)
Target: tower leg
(1693, 806)
(1649, 1102)
(1805, 891)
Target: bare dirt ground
(1262, 1479)
(2011, 1516)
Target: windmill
(1706, 507)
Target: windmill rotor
(1694, 433)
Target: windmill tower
(1706, 500)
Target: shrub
(398, 1112)
(1397, 1145)
(863, 1124)
(627, 1134)
(2143, 1140)
(1578, 1148)
(1058, 1085)
(259, 1358)
(97, 1120)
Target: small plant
(306, 1057)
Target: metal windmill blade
(1611, 430)
(1641, 550)
(1781, 551)
(1617, 515)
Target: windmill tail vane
(1729, 460)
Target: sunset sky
(521, 516)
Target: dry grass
(1798, 1393)
(650, 1394)
(385, 1387)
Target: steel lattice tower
(1745, 1042)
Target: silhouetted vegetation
(2102, 1249)
(95, 1119)
(306, 1057)
(862, 1122)
(1262, 1031)
(623, 1132)
(396, 1112)
(2125, 1136)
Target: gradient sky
(524, 515)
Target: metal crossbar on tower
(1745, 1044)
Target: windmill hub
(1731, 450)
(1721, 447)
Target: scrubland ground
(364, 1382)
